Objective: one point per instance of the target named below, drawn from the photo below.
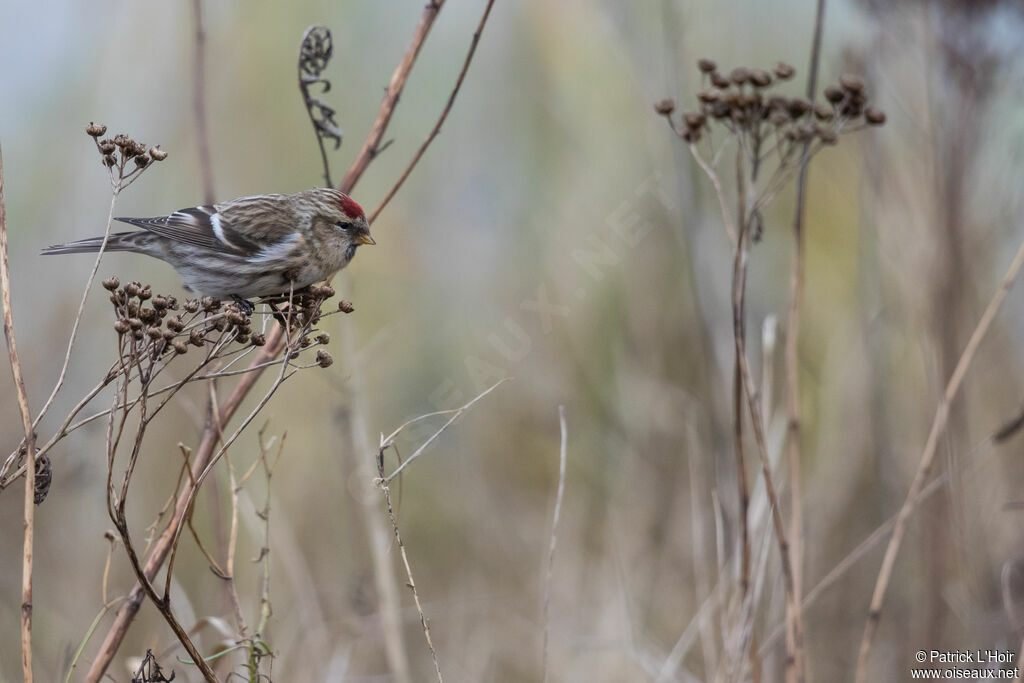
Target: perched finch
(251, 246)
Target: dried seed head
(175, 324)
(107, 146)
(720, 110)
(132, 289)
(135, 323)
(739, 75)
(121, 326)
(109, 160)
(155, 333)
(192, 306)
(157, 154)
(160, 302)
(209, 304)
(851, 83)
(180, 347)
(168, 335)
(323, 338)
(694, 119)
(142, 162)
(122, 140)
(346, 306)
(798, 106)
(784, 71)
(834, 94)
(138, 334)
(323, 359)
(195, 338)
(147, 315)
(258, 339)
(691, 135)
(665, 107)
(778, 117)
(719, 81)
(826, 134)
(760, 78)
(95, 130)
(710, 95)
(823, 112)
(111, 283)
(876, 117)
(146, 293)
(706, 66)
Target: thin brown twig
(30, 443)
(371, 147)
(791, 358)
(440, 121)
(554, 540)
(927, 460)
(199, 102)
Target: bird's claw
(244, 304)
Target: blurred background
(557, 233)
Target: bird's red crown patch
(351, 208)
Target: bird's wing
(245, 227)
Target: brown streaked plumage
(251, 246)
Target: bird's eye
(344, 225)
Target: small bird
(247, 247)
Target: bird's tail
(118, 241)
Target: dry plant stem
(554, 540)
(791, 359)
(408, 570)
(794, 629)
(927, 460)
(199, 102)
(371, 146)
(440, 121)
(30, 443)
(719, 192)
(116, 189)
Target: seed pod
(706, 66)
(142, 162)
(135, 323)
(823, 112)
(760, 78)
(784, 71)
(665, 107)
(157, 154)
(168, 334)
(323, 359)
(180, 347)
(155, 333)
(121, 326)
(146, 293)
(258, 339)
(122, 140)
(719, 81)
(694, 119)
(323, 338)
(346, 306)
(851, 83)
(95, 130)
(834, 94)
(827, 134)
(111, 283)
(195, 338)
(875, 117)
(109, 160)
(709, 96)
(175, 324)
(798, 106)
(192, 306)
(739, 75)
(160, 302)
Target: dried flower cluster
(124, 156)
(746, 102)
(155, 326)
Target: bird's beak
(364, 238)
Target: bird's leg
(244, 304)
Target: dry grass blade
(30, 443)
(554, 540)
(927, 460)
